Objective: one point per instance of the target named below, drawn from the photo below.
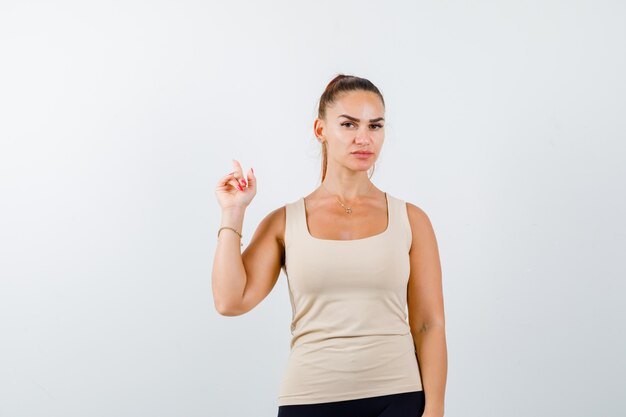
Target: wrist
(234, 209)
(224, 228)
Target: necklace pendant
(349, 210)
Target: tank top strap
(293, 222)
(400, 218)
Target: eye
(346, 123)
(378, 125)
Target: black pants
(405, 404)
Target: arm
(228, 278)
(426, 311)
(240, 281)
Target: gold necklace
(347, 209)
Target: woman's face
(354, 123)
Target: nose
(362, 136)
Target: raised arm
(240, 281)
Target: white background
(505, 123)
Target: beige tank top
(350, 334)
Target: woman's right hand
(234, 191)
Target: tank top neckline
(367, 238)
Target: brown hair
(342, 83)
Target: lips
(363, 155)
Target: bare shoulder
(276, 222)
(417, 216)
(270, 233)
(421, 226)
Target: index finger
(238, 169)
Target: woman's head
(350, 118)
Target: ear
(318, 129)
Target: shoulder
(275, 221)
(416, 214)
(421, 226)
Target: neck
(348, 189)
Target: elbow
(425, 325)
(436, 323)
(227, 311)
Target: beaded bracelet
(226, 227)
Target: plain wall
(505, 124)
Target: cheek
(338, 131)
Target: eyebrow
(358, 120)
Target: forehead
(358, 103)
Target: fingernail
(252, 169)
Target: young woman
(355, 257)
